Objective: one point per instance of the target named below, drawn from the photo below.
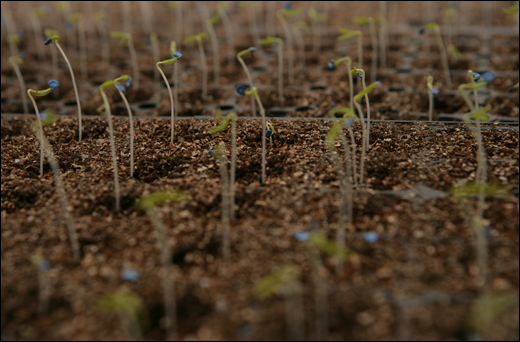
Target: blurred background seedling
(125, 37)
(121, 89)
(79, 18)
(432, 94)
(317, 19)
(198, 38)
(349, 34)
(435, 27)
(360, 21)
(272, 40)
(282, 14)
(14, 61)
(251, 49)
(296, 30)
(176, 56)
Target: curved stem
(250, 79)
(262, 112)
(171, 98)
(41, 130)
(22, 85)
(112, 145)
(131, 121)
(74, 84)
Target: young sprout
(231, 117)
(149, 205)
(349, 117)
(176, 79)
(14, 61)
(210, 23)
(102, 88)
(344, 174)
(43, 283)
(316, 19)
(130, 309)
(251, 49)
(175, 57)
(437, 30)
(53, 85)
(198, 37)
(54, 39)
(334, 64)
(358, 98)
(121, 89)
(432, 93)
(269, 133)
(281, 14)
(285, 281)
(54, 53)
(360, 21)
(301, 25)
(80, 18)
(123, 38)
(361, 74)
(271, 40)
(513, 88)
(105, 49)
(34, 17)
(49, 120)
(154, 42)
(348, 34)
(241, 89)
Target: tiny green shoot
(149, 204)
(281, 14)
(175, 57)
(198, 38)
(123, 38)
(271, 40)
(14, 61)
(49, 120)
(54, 39)
(348, 34)
(435, 27)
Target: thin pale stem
(475, 97)
(250, 79)
(360, 50)
(444, 57)
(156, 56)
(63, 199)
(368, 114)
(373, 35)
(22, 85)
(225, 207)
(171, 100)
(204, 68)
(430, 111)
(353, 143)
(363, 147)
(105, 48)
(216, 56)
(37, 30)
(131, 122)
(41, 130)
(383, 33)
(280, 71)
(75, 87)
(290, 52)
(54, 57)
(112, 146)
(301, 48)
(82, 48)
(233, 168)
(176, 89)
(262, 112)
(252, 24)
(133, 57)
(230, 39)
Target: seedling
(175, 57)
(316, 19)
(130, 309)
(301, 25)
(448, 14)
(271, 40)
(210, 23)
(357, 98)
(437, 30)
(155, 50)
(149, 204)
(231, 117)
(54, 53)
(198, 37)
(49, 120)
(12, 38)
(269, 133)
(105, 49)
(360, 21)
(80, 19)
(432, 93)
(176, 79)
(252, 19)
(249, 78)
(241, 89)
(285, 281)
(34, 17)
(222, 11)
(121, 89)
(54, 39)
(348, 34)
(281, 14)
(361, 74)
(14, 61)
(334, 64)
(123, 38)
(348, 118)
(53, 85)
(345, 175)
(219, 153)
(102, 88)
(43, 283)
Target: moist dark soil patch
(425, 246)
